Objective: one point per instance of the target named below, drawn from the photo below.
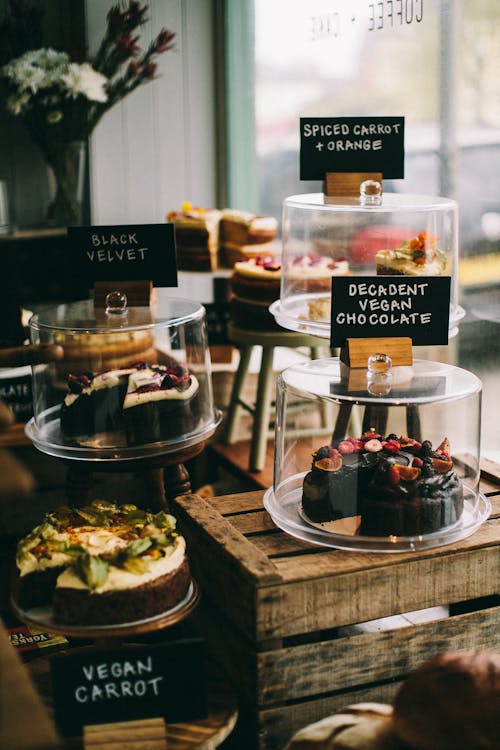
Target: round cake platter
(288, 515)
(49, 440)
(293, 315)
(42, 617)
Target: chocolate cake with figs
(394, 486)
(103, 564)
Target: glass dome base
(287, 514)
(294, 316)
(49, 440)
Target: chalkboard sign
(135, 682)
(369, 307)
(351, 144)
(123, 253)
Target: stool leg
(326, 409)
(262, 411)
(231, 425)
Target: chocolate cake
(103, 564)
(396, 486)
(142, 404)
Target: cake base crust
(81, 607)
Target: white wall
(156, 148)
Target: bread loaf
(451, 702)
(362, 726)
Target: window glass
(436, 63)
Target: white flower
(83, 79)
(18, 104)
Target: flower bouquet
(61, 101)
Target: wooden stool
(268, 340)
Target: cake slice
(196, 237)
(418, 256)
(244, 235)
(161, 404)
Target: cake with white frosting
(244, 235)
(103, 564)
(418, 256)
(141, 404)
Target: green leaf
(137, 547)
(137, 565)
(92, 570)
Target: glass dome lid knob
(116, 303)
(370, 193)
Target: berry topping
(369, 434)
(426, 449)
(391, 446)
(169, 381)
(393, 474)
(417, 462)
(323, 452)
(148, 388)
(358, 445)
(392, 436)
(345, 447)
(373, 446)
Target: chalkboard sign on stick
(136, 682)
(407, 306)
(351, 144)
(123, 253)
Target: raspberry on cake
(255, 285)
(244, 235)
(196, 237)
(103, 564)
(397, 486)
(418, 256)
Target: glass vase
(67, 184)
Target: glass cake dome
(393, 234)
(380, 459)
(132, 382)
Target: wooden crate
(285, 617)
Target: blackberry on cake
(103, 564)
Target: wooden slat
(320, 600)
(287, 674)
(253, 523)
(490, 471)
(237, 503)
(279, 544)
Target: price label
(351, 144)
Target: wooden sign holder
(141, 734)
(353, 367)
(347, 184)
